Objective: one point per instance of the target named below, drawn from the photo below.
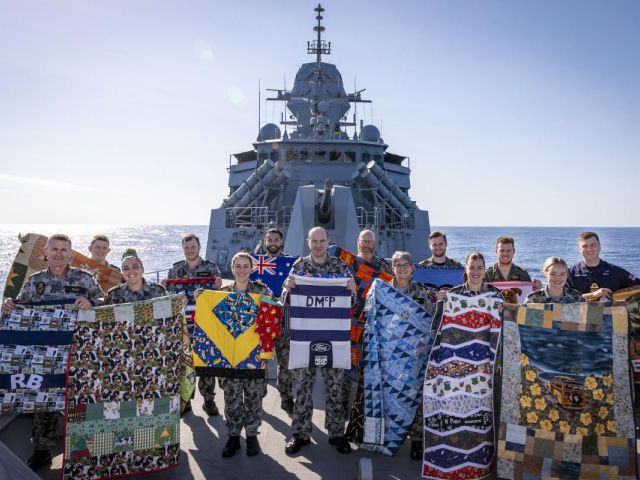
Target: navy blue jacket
(605, 275)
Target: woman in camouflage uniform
(403, 268)
(556, 291)
(243, 396)
(136, 287)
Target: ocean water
(159, 245)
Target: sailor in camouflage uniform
(99, 249)
(58, 282)
(243, 396)
(505, 250)
(194, 266)
(367, 251)
(402, 263)
(272, 243)
(136, 287)
(319, 261)
(438, 247)
(556, 290)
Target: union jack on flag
(272, 270)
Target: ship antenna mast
(319, 46)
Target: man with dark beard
(272, 243)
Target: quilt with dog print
(123, 408)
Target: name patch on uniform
(72, 289)
(204, 274)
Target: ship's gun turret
(324, 207)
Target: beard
(273, 249)
(367, 250)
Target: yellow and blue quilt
(225, 342)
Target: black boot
(211, 409)
(341, 444)
(294, 445)
(286, 404)
(417, 450)
(39, 459)
(233, 444)
(253, 446)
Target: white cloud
(203, 51)
(236, 95)
(43, 184)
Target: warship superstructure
(317, 174)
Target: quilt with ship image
(123, 407)
(566, 407)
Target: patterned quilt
(525, 289)
(124, 383)
(566, 394)
(320, 323)
(233, 334)
(34, 350)
(458, 390)
(397, 343)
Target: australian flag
(272, 270)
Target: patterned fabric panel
(320, 323)
(123, 410)
(458, 389)
(225, 341)
(566, 393)
(34, 350)
(397, 342)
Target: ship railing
(283, 216)
(366, 219)
(246, 216)
(156, 275)
(389, 218)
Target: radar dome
(270, 131)
(370, 133)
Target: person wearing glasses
(403, 268)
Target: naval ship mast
(316, 175)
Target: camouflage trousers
(44, 434)
(207, 388)
(416, 431)
(243, 404)
(303, 409)
(285, 383)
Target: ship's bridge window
(378, 158)
(350, 156)
(366, 157)
(321, 156)
(335, 156)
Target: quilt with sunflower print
(566, 408)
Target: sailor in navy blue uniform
(593, 277)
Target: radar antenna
(319, 46)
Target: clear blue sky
(513, 112)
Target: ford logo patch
(321, 347)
